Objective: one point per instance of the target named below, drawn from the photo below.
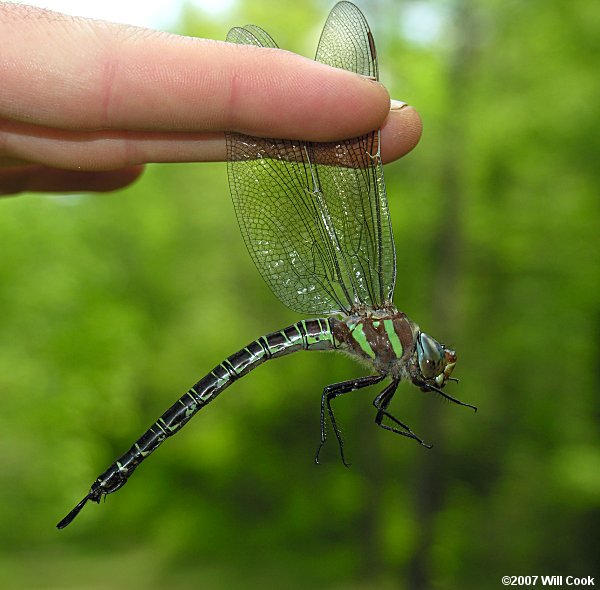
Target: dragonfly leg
(330, 393)
(381, 402)
(449, 397)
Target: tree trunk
(431, 483)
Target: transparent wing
(314, 216)
(250, 35)
(347, 43)
(361, 211)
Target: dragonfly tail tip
(67, 520)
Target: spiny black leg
(331, 392)
(450, 398)
(409, 433)
(381, 402)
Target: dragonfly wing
(250, 35)
(347, 42)
(271, 187)
(354, 189)
(314, 216)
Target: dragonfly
(316, 222)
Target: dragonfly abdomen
(313, 334)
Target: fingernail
(396, 105)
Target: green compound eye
(436, 362)
(431, 356)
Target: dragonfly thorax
(384, 339)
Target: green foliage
(112, 305)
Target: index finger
(78, 74)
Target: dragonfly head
(435, 362)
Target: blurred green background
(112, 305)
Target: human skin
(84, 104)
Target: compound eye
(431, 356)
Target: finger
(400, 133)
(104, 150)
(109, 150)
(72, 73)
(41, 179)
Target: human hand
(84, 103)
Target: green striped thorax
(384, 339)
